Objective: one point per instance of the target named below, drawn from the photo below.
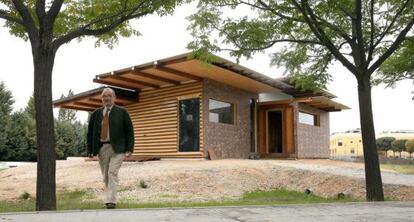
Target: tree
(361, 35)
(30, 108)
(67, 114)
(20, 133)
(409, 146)
(6, 106)
(398, 146)
(47, 25)
(384, 143)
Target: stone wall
(312, 141)
(228, 141)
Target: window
(352, 150)
(221, 112)
(309, 119)
(189, 125)
(340, 143)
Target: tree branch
(5, 15)
(321, 35)
(40, 9)
(28, 22)
(391, 24)
(360, 50)
(54, 10)
(371, 41)
(267, 7)
(401, 37)
(84, 30)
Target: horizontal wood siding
(155, 120)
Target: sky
(77, 63)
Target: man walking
(111, 137)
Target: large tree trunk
(46, 158)
(373, 179)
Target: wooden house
(183, 108)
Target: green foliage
(398, 146)
(70, 138)
(21, 145)
(399, 66)
(30, 108)
(6, 100)
(384, 143)
(18, 133)
(409, 146)
(311, 35)
(6, 103)
(25, 196)
(106, 20)
(70, 134)
(67, 114)
(85, 199)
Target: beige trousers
(110, 163)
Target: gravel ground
(200, 180)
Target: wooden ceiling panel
(222, 75)
(164, 74)
(150, 79)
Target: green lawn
(79, 200)
(405, 169)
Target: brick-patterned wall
(312, 141)
(228, 141)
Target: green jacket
(121, 132)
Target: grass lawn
(76, 201)
(405, 169)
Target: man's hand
(128, 154)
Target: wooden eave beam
(77, 108)
(86, 104)
(102, 81)
(139, 82)
(119, 101)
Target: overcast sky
(77, 64)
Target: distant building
(348, 144)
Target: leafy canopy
(75, 19)
(359, 34)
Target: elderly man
(111, 137)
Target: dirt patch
(195, 180)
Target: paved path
(378, 212)
(387, 177)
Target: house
(183, 108)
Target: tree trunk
(43, 60)
(373, 179)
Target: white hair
(108, 89)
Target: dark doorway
(275, 143)
(189, 125)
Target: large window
(309, 119)
(221, 112)
(189, 125)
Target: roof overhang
(91, 100)
(318, 102)
(185, 68)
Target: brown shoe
(110, 205)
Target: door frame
(263, 130)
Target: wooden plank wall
(155, 121)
